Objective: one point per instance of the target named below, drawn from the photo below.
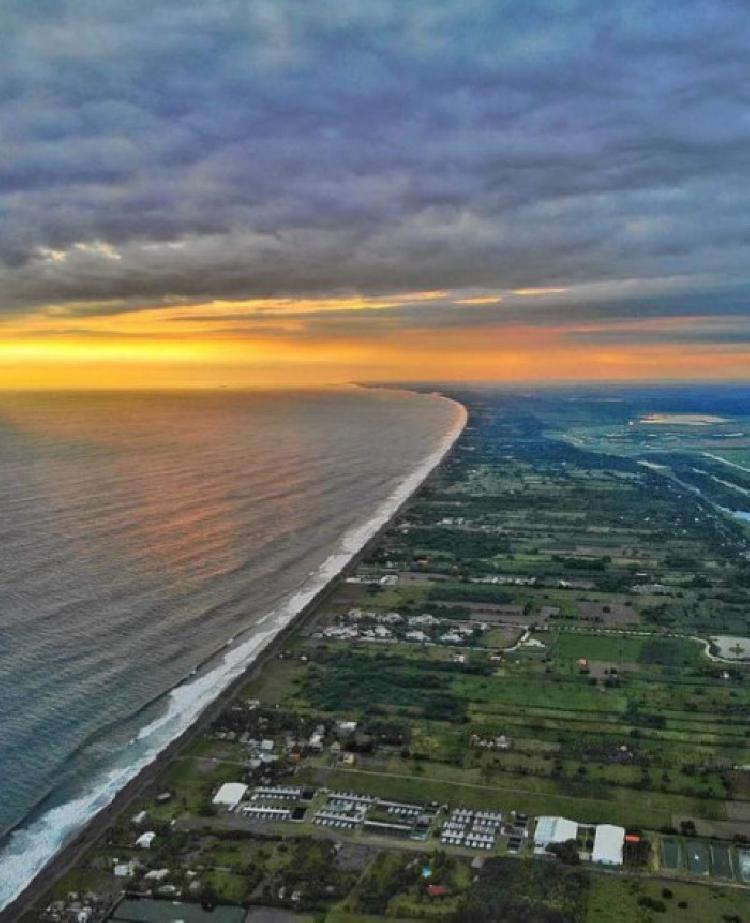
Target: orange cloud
(539, 291)
(480, 299)
(280, 342)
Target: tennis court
(698, 857)
(721, 860)
(743, 861)
(671, 854)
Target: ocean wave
(28, 849)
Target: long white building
(554, 830)
(608, 844)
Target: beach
(244, 661)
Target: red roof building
(437, 890)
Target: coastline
(370, 532)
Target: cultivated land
(543, 631)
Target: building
(437, 891)
(608, 843)
(229, 795)
(417, 635)
(265, 812)
(156, 875)
(277, 793)
(554, 830)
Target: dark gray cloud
(173, 149)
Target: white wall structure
(608, 843)
(230, 794)
(554, 830)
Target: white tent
(608, 842)
(554, 830)
(230, 794)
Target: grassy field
(615, 899)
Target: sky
(283, 192)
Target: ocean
(152, 543)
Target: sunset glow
(284, 195)
(283, 342)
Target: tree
(209, 897)
(566, 852)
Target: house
(608, 843)
(156, 875)
(650, 589)
(344, 728)
(229, 795)
(417, 635)
(437, 891)
(424, 619)
(139, 818)
(145, 840)
(554, 830)
(451, 637)
(167, 891)
(393, 618)
(342, 632)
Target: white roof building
(145, 840)
(417, 635)
(554, 830)
(608, 842)
(156, 875)
(230, 794)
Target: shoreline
(70, 853)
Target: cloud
(173, 151)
